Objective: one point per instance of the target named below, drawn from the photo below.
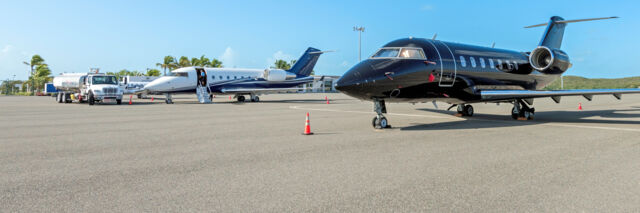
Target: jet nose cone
(152, 86)
(352, 82)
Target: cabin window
(220, 77)
(463, 62)
(228, 77)
(473, 61)
(387, 53)
(491, 64)
(182, 74)
(499, 64)
(482, 64)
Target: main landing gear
(241, 98)
(465, 110)
(521, 111)
(380, 122)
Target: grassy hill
(577, 82)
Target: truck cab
(102, 88)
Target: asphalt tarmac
(252, 157)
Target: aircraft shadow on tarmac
(322, 101)
(481, 121)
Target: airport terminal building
(326, 85)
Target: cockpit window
(387, 53)
(404, 53)
(411, 53)
(180, 74)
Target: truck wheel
(91, 99)
(119, 101)
(67, 98)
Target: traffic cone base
(130, 97)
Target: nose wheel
(168, 99)
(380, 122)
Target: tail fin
(552, 37)
(304, 65)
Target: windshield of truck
(104, 80)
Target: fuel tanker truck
(87, 87)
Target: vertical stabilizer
(305, 64)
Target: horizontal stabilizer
(572, 21)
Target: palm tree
(281, 64)
(35, 61)
(196, 62)
(184, 62)
(204, 61)
(40, 76)
(169, 63)
(215, 63)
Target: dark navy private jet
(420, 70)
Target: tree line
(170, 63)
(40, 73)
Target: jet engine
(278, 75)
(549, 61)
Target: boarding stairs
(203, 94)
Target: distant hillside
(577, 82)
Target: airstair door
(202, 88)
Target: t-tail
(552, 37)
(547, 57)
(304, 65)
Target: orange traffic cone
(327, 101)
(229, 97)
(151, 99)
(579, 106)
(131, 96)
(307, 127)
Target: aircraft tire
(468, 110)
(514, 115)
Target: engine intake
(549, 61)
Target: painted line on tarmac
(592, 127)
(347, 111)
(456, 118)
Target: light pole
(13, 83)
(29, 73)
(360, 31)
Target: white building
(328, 84)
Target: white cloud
(228, 57)
(277, 56)
(426, 7)
(7, 48)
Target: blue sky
(113, 35)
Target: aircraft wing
(497, 95)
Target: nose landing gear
(380, 122)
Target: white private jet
(240, 82)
